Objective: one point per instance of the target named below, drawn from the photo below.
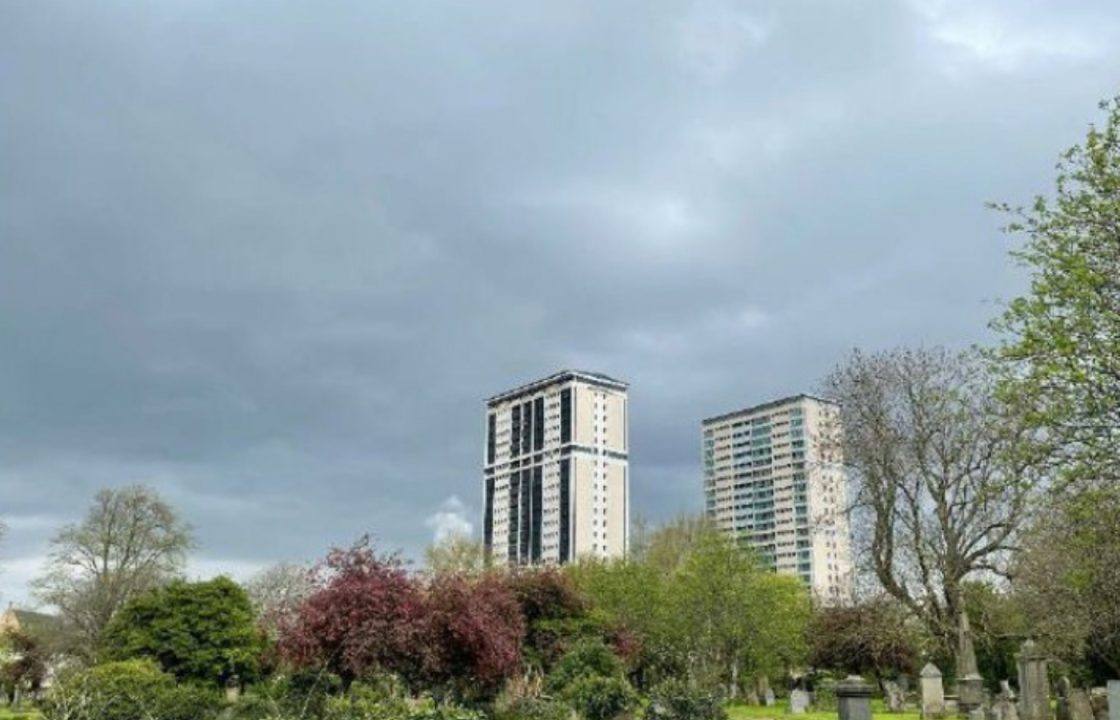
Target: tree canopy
(202, 631)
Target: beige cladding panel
(616, 422)
(583, 414)
(583, 504)
(615, 517)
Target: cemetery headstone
(1079, 705)
(1114, 700)
(798, 701)
(768, 698)
(1034, 685)
(933, 693)
(894, 695)
(853, 698)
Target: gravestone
(894, 695)
(933, 693)
(1061, 706)
(1079, 706)
(768, 698)
(1003, 708)
(1034, 685)
(798, 701)
(1098, 700)
(1114, 700)
(970, 686)
(853, 699)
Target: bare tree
(129, 542)
(279, 590)
(941, 486)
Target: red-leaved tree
(366, 614)
(474, 632)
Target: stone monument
(933, 693)
(970, 686)
(853, 698)
(1034, 686)
(798, 701)
(1114, 700)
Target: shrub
(588, 658)
(302, 694)
(202, 631)
(675, 700)
(130, 690)
(531, 709)
(601, 698)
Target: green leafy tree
(737, 615)
(1067, 580)
(1061, 350)
(874, 636)
(202, 631)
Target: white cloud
(450, 520)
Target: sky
(271, 258)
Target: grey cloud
(271, 258)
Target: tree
(737, 615)
(1067, 580)
(23, 663)
(998, 629)
(473, 633)
(278, 591)
(129, 542)
(941, 483)
(457, 553)
(873, 636)
(366, 614)
(201, 631)
(556, 613)
(1060, 355)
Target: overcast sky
(270, 257)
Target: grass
(9, 714)
(781, 712)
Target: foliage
(365, 702)
(873, 636)
(129, 542)
(277, 592)
(600, 698)
(998, 629)
(674, 699)
(473, 629)
(456, 553)
(697, 604)
(942, 481)
(530, 708)
(1068, 581)
(201, 631)
(737, 614)
(1060, 357)
(131, 690)
(298, 695)
(23, 665)
(366, 614)
(588, 658)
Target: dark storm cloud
(271, 257)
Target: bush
(675, 700)
(589, 658)
(601, 698)
(531, 709)
(130, 690)
(386, 701)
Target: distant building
(556, 470)
(774, 480)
